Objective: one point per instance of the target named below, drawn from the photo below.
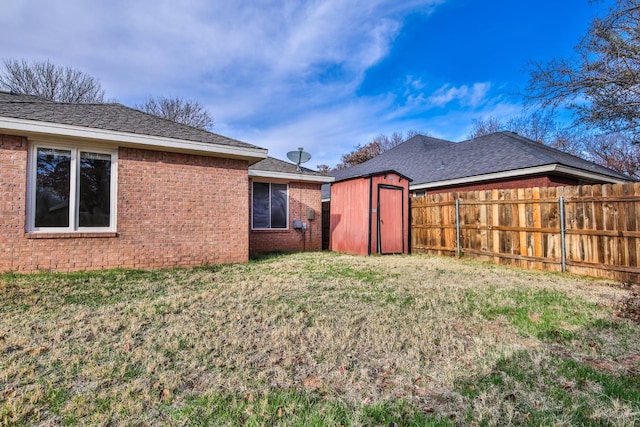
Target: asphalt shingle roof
(111, 116)
(271, 164)
(428, 160)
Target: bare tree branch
(601, 84)
(377, 146)
(485, 127)
(55, 83)
(178, 110)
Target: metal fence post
(458, 251)
(563, 248)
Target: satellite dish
(299, 157)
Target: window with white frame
(269, 205)
(71, 189)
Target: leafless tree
(178, 110)
(485, 127)
(323, 169)
(360, 154)
(601, 83)
(377, 146)
(615, 151)
(539, 126)
(55, 83)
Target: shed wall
(350, 216)
(354, 213)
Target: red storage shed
(370, 214)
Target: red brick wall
(173, 210)
(302, 196)
(13, 190)
(509, 184)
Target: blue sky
(325, 75)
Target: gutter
(158, 143)
(290, 176)
(560, 169)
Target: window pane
(53, 177)
(278, 206)
(260, 205)
(95, 190)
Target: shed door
(390, 220)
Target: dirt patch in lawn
(629, 307)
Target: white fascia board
(565, 170)
(289, 176)
(590, 175)
(31, 127)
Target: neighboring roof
(407, 159)
(506, 154)
(433, 163)
(111, 121)
(275, 168)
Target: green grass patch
(548, 315)
(316, 339)
(294, 408)
(532, 390)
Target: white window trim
(73, 195)
(269, 228)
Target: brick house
(92, 186)
(285, 207)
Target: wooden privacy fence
(590, 230)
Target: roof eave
(370, 174)
(39, 128)
(290, 176)
(556, 168)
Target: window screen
(269, 205)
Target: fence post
(458, 251)
(563, 249)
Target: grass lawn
(318, 339)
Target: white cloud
(325, 133)
(466, 96)
(276, 73)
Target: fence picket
(522, 227)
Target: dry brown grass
(134, 347)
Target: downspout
(370, 214)
(458, 249)
(403, 223)
(409, 219)
(563, 247)
(378, 232)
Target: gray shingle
(271, 164)
(429, 160)
(113, 117)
